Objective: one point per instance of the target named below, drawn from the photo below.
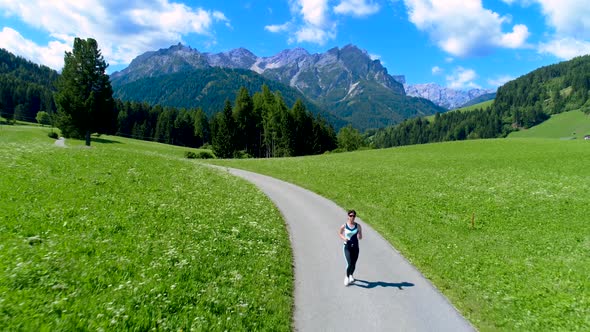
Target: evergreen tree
(246, 122)
(302, 129)
(184, 130)
(202, 129)
(164, 126)
(84, 98)
(224, 132)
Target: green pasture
(567, 125)
(501, 226)
(129, 235)
(482, 105)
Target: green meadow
(567, 125)
(482, 105)
(501, 226)
(130, 235)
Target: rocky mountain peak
(442, 96)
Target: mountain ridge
(446, 97)
(344, 81)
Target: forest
(260, 125)
(521, 103)
(25, 88)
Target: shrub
(199, 155)
(241, 154)
(205, 155)
(53, 135)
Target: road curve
(389, 294)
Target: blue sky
(460, 44)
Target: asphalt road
(389, 294)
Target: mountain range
(345, 82)
(449, 98)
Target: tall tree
(84, 96)
(223, 132)
(202, 129)
(246, 122)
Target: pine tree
(246, 122)
(85, 97)
(202, 129)
(223, 126)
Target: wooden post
(473, 220)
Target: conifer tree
(202, 129)
(224, 132)
(84, 95)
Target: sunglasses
(352, 215)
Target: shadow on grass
(372, 284)
(103, 140)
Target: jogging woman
(351, 232)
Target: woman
(351, 232)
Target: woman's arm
(360, 235)
(341, 234)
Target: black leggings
(351, 255)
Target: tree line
(521, 103)
(25, 87)
(258, 125)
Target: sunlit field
(500, 226)
(567, 125)
(129, 235)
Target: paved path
(389, 294)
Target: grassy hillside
(482, 105)
(129, 235)
(568, 125)
(524, 263)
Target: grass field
(129, 235)
(525, 263)
(567, 125)
(483, 105)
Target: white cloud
(568, 17)
(499, 80)
(569, 24)
(464, 27)
(317, 27)
(571, 21)
(437, 70)
(278, 28)
(565, 48)
(312, 20)
(51, 55)
(516, 38)
(462, 78)
(356, 7)
(314, 34)
(122, 29)
(314, 12)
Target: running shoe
(346, 281)
(350, 279)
